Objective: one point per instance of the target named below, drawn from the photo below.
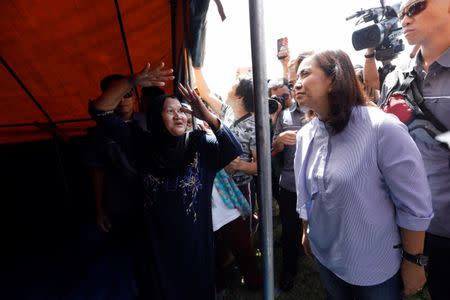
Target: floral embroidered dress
(178, 216)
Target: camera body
(274, 101)
(384, 35)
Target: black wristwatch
(420, 259)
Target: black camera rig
(384, 35)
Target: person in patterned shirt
(237, 113)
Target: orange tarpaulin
(54, 53)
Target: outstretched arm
(147, 77)
(285, 65)
(205, 93)
(199, 109)
(226, 146)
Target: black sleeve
(113, 127)
(222, 148)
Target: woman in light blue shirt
(361, 187)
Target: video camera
(384, 35)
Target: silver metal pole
(263, 141)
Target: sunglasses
(128, 95)
(413, 9)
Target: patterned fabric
(178, 221)
(188, 184)
(244, 130)
(230, 193)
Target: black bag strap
(248, 115)
(417, 97)
(393, 89)
(408, 79)
(405, 82)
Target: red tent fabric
(54, 53)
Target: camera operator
(381, 39)
(427, 23)
(279, 87)
(279, 91)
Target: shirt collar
(443, 60)
(295, 107)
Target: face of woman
(312, 87)
(174, 119)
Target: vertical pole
(263, 141)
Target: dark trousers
(291, 230)
(338, 289)
(127, 237)
(235, 237)
(438, 249)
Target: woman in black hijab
(177, 171)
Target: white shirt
(221, 215)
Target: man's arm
(205, 93)
(284, 64)
(109, 99)
(249, 167)
(371, 76)
(288, 137)
(103, 221)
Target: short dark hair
(245, 89)
(107, 80)
(346, 92)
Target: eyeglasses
(413, 9)
(128, 95)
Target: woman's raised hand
(199, 110)
(152, 77)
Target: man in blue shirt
(115, 187)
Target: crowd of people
(361, 183)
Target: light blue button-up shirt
(356, 188)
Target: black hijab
(164, 154)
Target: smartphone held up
(282, 48)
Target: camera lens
(368, 37)
(273, 105)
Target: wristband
(370, 55)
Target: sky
(308, 25)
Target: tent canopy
(54, 53)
